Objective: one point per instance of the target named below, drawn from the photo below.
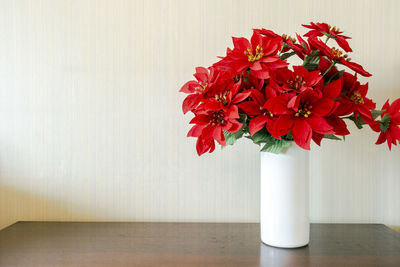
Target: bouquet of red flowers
(253, 92)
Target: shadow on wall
(17, 205)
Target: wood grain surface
(191, 244)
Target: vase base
(276, 245)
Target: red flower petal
(202, 146)
(395, 105)
(356, 67)
(282, 126)
(345, 107)
(189, 87)
(201, 74)
(195, 131)
(363, 89)
(212, 104)
(200, 119)
(324, 107)
(190, 103)
(241, 43)
(333, 89)
(235, 126)
(381, 138)
(302, 134)
(277, 105)
(261, 74)
(258, 97)
(218, 135)
(338, 124)
(395, 118)
(269, 59)
(257, 124)
(272, 46)
(241, 96)
(256, 66)
(317, 138)
(343, 44)
(320, 125)
(250, 108)
(208, 132)
(256, 39)
(233, 112)
(395, 132)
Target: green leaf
(270, 144)
(311, 62)
(230, 138)
(376, 113)
(288, 137)
(385, 122)
(287, 55)
(274, 145)
(285, 45)
(336, 76)
(260, 137)
(331, 136)
(314, 53)
(359, 122)
(242, 118)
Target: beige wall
(90, 121)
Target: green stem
(280, 52)
(333, 64)
(348, 117)
(327, 39)
(289, 53)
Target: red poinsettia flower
(298, 80)
(285, 38)
(255, 109)
(320, 29)
(259, 55)
(302, 49)
(198, 88)
(335, 55)
(353, 100)
(221, 97)
(310, 115)
(390, 130)
(210, 124)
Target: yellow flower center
(335, 29)
(357, 98)
(288, 37)
(266, 112)
(297, 83)
(304, 110)
(256, 56)
(200, 89)
(217, 119)
(222, 98)
(336, 52)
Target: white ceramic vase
(284, 203)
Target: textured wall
(90, 121)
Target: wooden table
(191, 244)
